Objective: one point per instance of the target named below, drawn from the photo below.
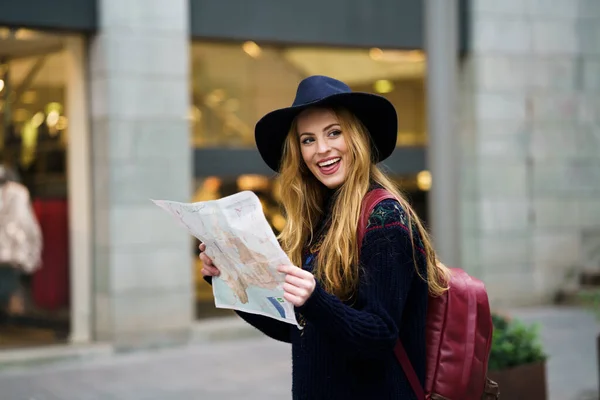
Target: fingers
(210, 271)
(294, 271)
(298, 282)
(295, 290)
(205, 259)
(298, 286)
(208, 268)
(295, 300)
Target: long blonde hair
(338, 259)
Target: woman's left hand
(299, 284)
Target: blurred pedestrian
(353, 300)
(20, 242)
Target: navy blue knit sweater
(345, 351)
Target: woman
(20, 242)
(354, 300)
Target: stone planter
(525, 382)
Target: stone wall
(530, 113)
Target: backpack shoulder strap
(370, 201)
(409, 371)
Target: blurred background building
(106, 104)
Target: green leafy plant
(514, 344)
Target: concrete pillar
(79, 190)
(139, 74)
(441, 46)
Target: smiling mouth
(329, 163)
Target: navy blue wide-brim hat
(375, 112)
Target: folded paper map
(243, 246)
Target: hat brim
(376, 113)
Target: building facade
(530, 141)
(107, 104)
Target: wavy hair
(302, 199)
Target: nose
(322, 146)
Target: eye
(307, 140)
(334, 133)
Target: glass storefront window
(32, 100)
(33, 145)
(233, 85)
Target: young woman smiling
(354, 300)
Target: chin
(333, 182)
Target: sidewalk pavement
(569, 337)
(259, 368)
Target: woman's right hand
(208, 268)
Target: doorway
(35, 109)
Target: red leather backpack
(459, 334)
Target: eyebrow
(324, 129)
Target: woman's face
(323, 146)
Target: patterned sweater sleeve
(271, 327)
(388, 270)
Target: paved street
(569, 336)
(260, 369)
(248, 369)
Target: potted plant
(591, 299)
(517, 360)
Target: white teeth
(329, 162)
